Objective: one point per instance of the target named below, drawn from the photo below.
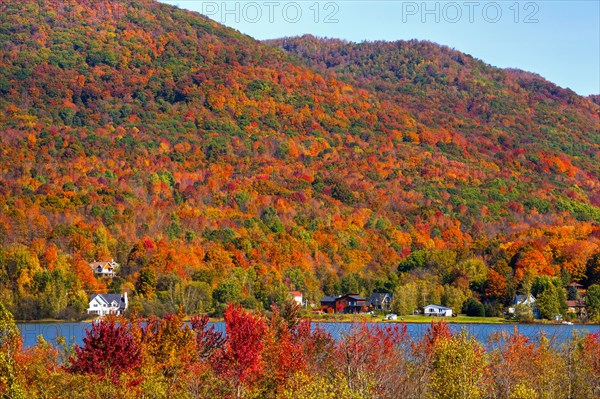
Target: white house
(296, 297)
(105, 269)
(103, 304)
(527, 301)
(437, 310)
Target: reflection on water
(556, 334)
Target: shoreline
(348, 319)
(428, 321)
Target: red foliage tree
(531, 261)
(82, 270)
(240, 359)
(591, 346)
(435, 332)
(372, 355)
(495, 285)
(109, 350)
(285, 351)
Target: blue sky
(558, 39)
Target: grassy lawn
(348, 318)
(458, 319)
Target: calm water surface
(74, 332)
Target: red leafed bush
(240, 359)
(592, 352)
(109, 349)
(435, 332)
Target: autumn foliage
(108, 350)
(221, 173)
(215, 168)
(239, 360)
(281, 358)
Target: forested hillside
(514, 119)
(215, 168)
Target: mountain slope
(510, 114)
(215, 166)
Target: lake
(556, 333)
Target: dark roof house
(380, 300)
(349, 303)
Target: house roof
(329, 298)
(296, 293)
(335, 298)
(575, 285)
(575, 304)
(356, 297)
(109, 298)
(379, 297)
(438, 307)
(104, 264)
(523, 299)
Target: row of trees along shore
(44, 281)
(281, 356)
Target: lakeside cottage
(105, 304)
(576, 307)
(328, 304)
(296, 297)
(380, 301)
(349, 303)
(105, 269)
(437, 310)
(529, 301)
(578, 288)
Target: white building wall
(435, 311)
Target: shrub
(472, 307)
